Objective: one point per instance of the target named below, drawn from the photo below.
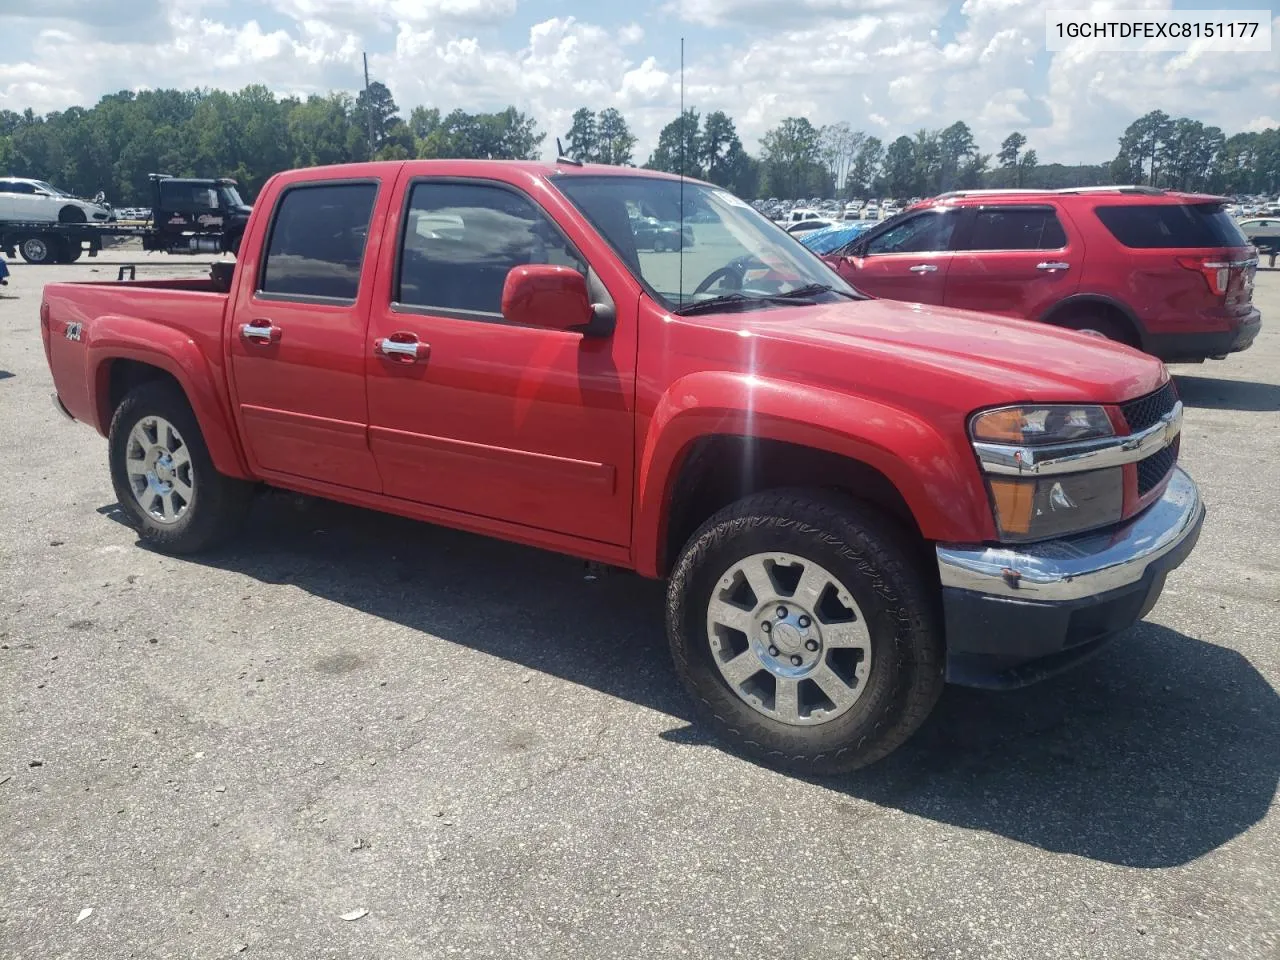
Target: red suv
(1168, 272)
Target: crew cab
(851, 500)
(1167, 272)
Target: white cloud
(886, 66)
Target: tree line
(251, 134)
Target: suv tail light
(1216, 273)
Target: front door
(906, 261)
(297, 345)
(1014, 260)
(475, 414)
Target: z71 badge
(73, 331)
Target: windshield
(231, 196)
(723, 249)
(50, 188)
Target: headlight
(1042, 423)
(1030, 508)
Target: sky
(885, 66)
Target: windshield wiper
(740, 300)
(812, 290)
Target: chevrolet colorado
(852, 500)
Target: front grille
(1146, 411)
(1156, 467)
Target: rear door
(297, 341)
(908, 260)
(6, 200)
(1014, 259)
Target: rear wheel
(163, 476)
(1100, 323)
(37, 250)
(71, 251)
(805, 632)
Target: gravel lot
(489, 754)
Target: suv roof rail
(1034, 191)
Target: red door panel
(523, 424)
(908, 260)
(299, 330)
(1015, 261)
(915, 278)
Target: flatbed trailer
(44, 242)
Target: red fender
(936, 477)
(129, 338)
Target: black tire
(659, 245)
(220, 503)
(72, 215)
(870, 557)
(71, 251)
(38, 250)
(1100, 323)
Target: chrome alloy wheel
(788, 638)
(158, 465)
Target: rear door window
(1155, 226)
(317, 242)
(1016, 228)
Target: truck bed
(83, 323)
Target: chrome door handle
(924, 268)
(261, 331)
(1053, 265)
(405, 351)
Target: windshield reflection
(721, 247)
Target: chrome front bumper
(1083, 566)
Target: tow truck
(188, 216)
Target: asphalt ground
(344, 711)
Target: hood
(887, 346)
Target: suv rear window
(1152, 226)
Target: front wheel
(805, 631)
(164, 477)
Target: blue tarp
(833, 238)
(4, 270)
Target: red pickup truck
(852, 500)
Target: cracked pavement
(349, 711)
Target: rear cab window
(316, 246)
(1152, 226)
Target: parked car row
(852, 500)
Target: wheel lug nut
(782, 613)
(796, 659)
(773, 651)
(804, 622)
(811, 646)
(767, 627)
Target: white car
(35, 200)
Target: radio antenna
(684, 138)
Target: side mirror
(546, 295)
